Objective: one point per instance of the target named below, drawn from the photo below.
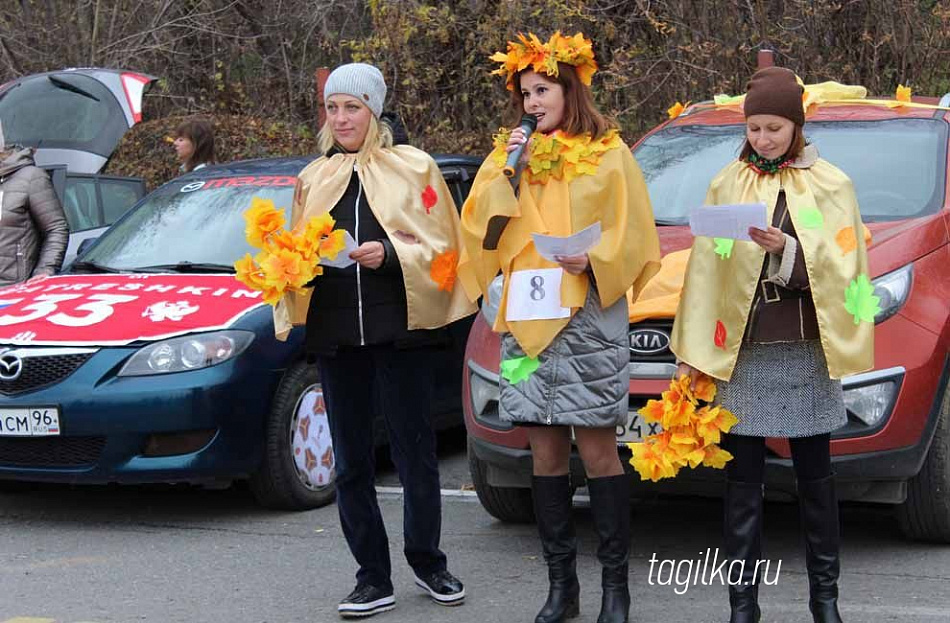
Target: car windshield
(897, 166)
(197, 222)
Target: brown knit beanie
(775, 91)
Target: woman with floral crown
(564, 323)
(778, 320)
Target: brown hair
(201, 134)
(580, 113)
(794, 149)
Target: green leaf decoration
(518, 369)
(811, 218)
(860, 300)
(724, 247)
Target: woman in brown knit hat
(777, 321)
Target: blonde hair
(378, 136)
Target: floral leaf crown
(529, 52)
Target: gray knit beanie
(362, 81)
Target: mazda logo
(649, 341)
(11, 367)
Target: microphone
(528, 124)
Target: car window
(117, 197)
(63, 110)
(905, 180)
(81, 204)
(197, 221)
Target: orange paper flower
(676, 110)
(903, 94)
(263, 219)
(444, 269)
(529, 52)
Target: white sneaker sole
(455, 599)
(356, 611)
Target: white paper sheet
(549, 247)
(728, 221)
(535, 295)
(343, 257)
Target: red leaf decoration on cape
(720, 337)
(429, 198)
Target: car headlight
(484, 393)
(191, 352)
(870, 401)
(893, 289)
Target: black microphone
(528, 124)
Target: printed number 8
(537, 288)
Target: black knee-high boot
(552, 510)
(743, 541)
(610, 505)
(818, 503)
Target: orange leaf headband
(529, 52)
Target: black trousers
(360, 386)
(811, 457)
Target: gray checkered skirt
(783, 390)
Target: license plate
(636, 429)
(29, 422)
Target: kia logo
(11, 367)
(649, 341)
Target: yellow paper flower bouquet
(691, 431)
(288, 260)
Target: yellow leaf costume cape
(408, 195)
(570, 183)
(718, 292)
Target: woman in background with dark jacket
(371, 327)
(33, 229)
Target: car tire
(925, 514)
(280, 482)
(508, 504)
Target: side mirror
(85, 244)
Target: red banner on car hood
(112, 310)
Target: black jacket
(357, 306)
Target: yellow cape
(606, 186)
(719, 288)
(407, 194)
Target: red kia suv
(895, 448)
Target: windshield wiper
(68, 86)
(671, 221)
(186, 267)
(92, 267)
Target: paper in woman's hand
(342, 260)
(728, 221)
(552, 247)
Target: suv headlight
(870, 396)
(893, 289)
(191, 352)
(484, 393)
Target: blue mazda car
(147, 362)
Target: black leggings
(810, 455)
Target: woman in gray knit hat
(373, 344)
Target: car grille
(50, 451)
(662, 355)
(42, 370)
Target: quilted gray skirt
(783, 390)
(583, 376)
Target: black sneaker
(365, 601)
(443, 587)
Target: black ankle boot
(610, 506)
(818, 503)
(743, 541)
(552, 509)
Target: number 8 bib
(535, 295)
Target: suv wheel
(925, 514)
(297, 471)
(509, 504)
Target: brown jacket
(783, 309)
(33, 229)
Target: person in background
(33, 228)
(194, 144)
